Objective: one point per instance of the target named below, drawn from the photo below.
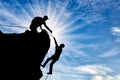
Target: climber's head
(45, 17)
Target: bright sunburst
(90, 29)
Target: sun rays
(79, 24)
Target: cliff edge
(21, 54)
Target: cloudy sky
(90, 30)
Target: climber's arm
(55, 42)
(47, 27)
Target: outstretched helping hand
(51, 31)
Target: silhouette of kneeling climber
(55, 57)
(37, 22)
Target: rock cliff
(21, 54)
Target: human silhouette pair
(38, 22)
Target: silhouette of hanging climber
(37, 22)
(55, 57)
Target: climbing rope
(13, 26)
(46, 77)
(21, 27)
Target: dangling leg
(51, 67)
(46, 62)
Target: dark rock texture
(21, 55)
